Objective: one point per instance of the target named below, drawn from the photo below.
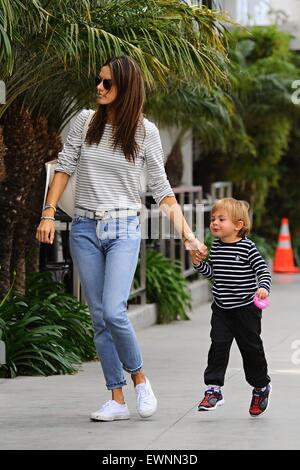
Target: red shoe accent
(212, 399)
(260, 401)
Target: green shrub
(208, 239)
(265, 247)
(166, 286)
(47, 331)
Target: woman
(105, 234)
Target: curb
(143, 316)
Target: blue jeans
(105, 252)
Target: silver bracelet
(49, 206)
(47, 218)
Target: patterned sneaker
(260, 401)
(111, 411)
(146, 401)
(212, 399)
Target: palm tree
(51, 52)
(15, 19)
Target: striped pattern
(105, 179)
(237, 270)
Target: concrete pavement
(52, 412)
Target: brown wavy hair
(128, 107)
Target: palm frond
(58, 58)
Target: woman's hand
(198, 250)
(197, 257)
(45, 231)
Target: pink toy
(261, 303)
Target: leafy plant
(265, 248)
(208, 239)
(262, 69)
(46, 331)
(166, 286)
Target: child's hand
(197, 256)
(262, 293)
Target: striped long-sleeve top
(237, 270)
(105, 179)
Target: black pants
(244, 325)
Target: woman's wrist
(49, 204)
(48, 217)
(49, 212)
(189, 236)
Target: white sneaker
(146, 402)
(111, 411)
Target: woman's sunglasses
(107, 84)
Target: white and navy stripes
(237, 270)
(105, 179)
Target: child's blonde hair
(236, 210)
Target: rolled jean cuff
(118, 385)
(133, 371)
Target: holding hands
(198, 251)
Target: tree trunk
(49, 144)
(29, 146)
(19, 140)
(2, 155)
(174, 165)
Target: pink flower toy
(261, 303)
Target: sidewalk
(52, 412)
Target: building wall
(286, 15)
(290, 7)
(259, 12)
(247, 12)
(168, 137)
